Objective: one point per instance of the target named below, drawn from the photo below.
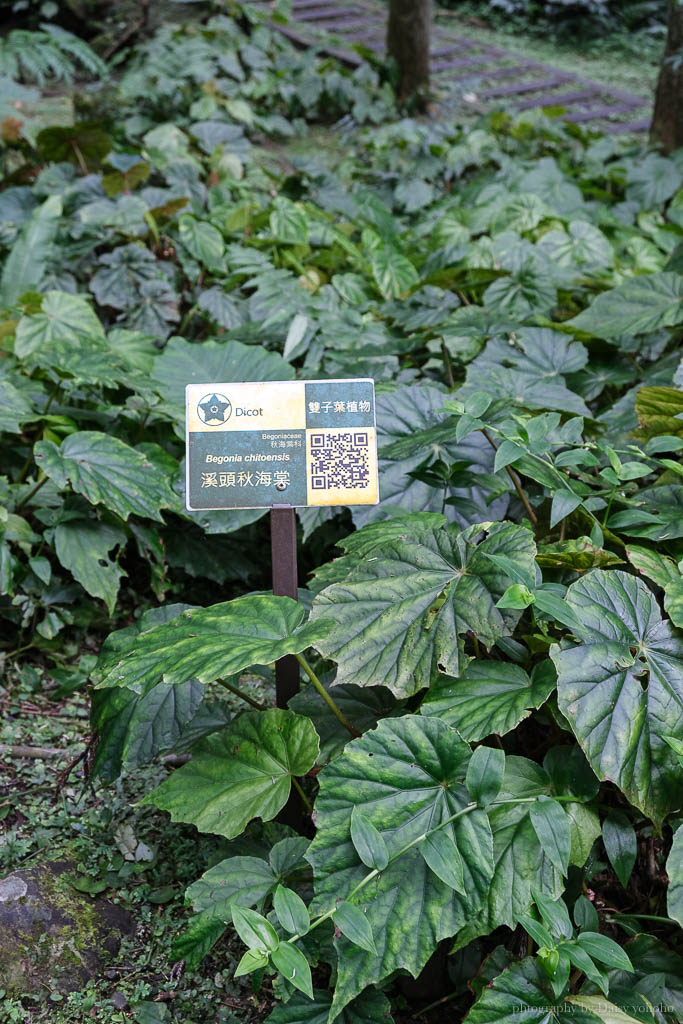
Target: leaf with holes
(83, 547)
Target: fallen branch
(85, 755)
(129, 33)
(39, 753)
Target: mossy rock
(51, 936)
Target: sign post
(281, 445)
(285, 584)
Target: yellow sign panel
(259, 444)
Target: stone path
(485, 77)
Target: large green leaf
(136, 351)
(25, 266)
(656, 567)
(659, 411)
(362, 705)
(674, 869)
(394, 273)
(155, 309)
(653, 180)
(621, 844)
(410, 426)
(86, 140)
(522, 992)
(122, 272)
(489, 697)
(582, 243)
(371, 1007)
(673, 601)
(651, 956)
(288, 222)
(245, 881)
(521, 866)
(63, 317)
(621, 688)
(529, 370)
(182, 363)
(666, 502)
(201, 935)
(363, 541)
(83, 546)
(133, 729)
(15, 409)
(91, 364)
(399, 616)
(108, 472)
(528, 289)
(203, 241)
(641, 304)
(241, 773)
(222, 307)
(358, 545)
(407, 776)
(209, 643)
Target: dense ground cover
(513, 808)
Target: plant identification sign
(305, 442)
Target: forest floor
(98, 830)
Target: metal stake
(285, 583)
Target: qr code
(340, 460)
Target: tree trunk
(667, 119)
(408, 43)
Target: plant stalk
(31, 493)
(448, 366)
(515, 482)
(337, 711)
(244, 696)
(304, 799)
(404, 849)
